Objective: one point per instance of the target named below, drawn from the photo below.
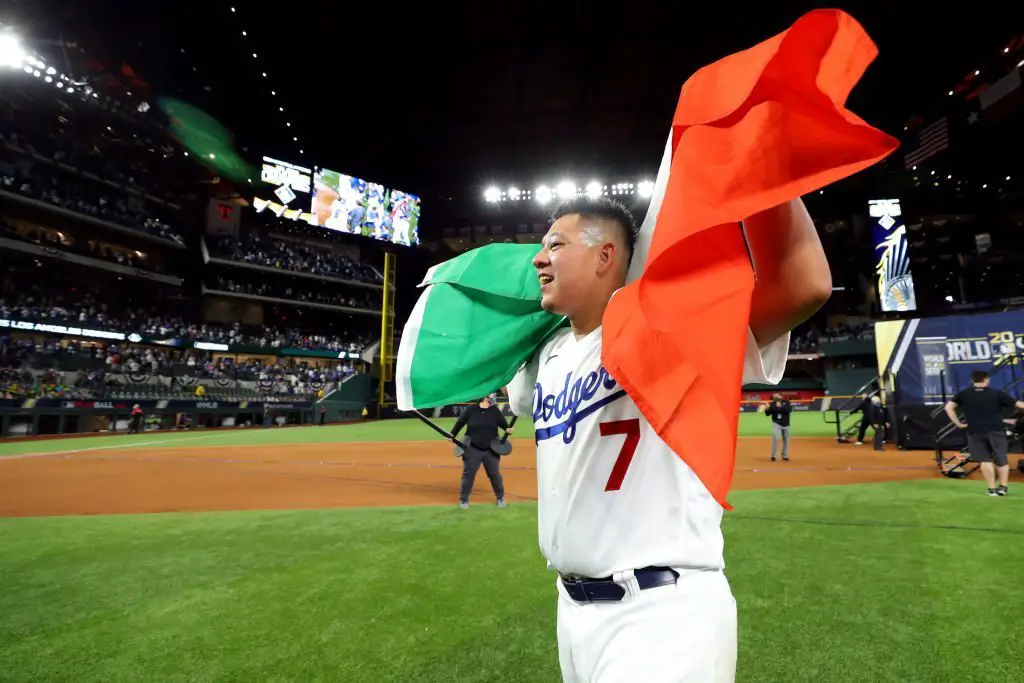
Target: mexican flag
(752, 131)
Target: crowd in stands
(276, 253)
(842, 332)
(91, 248)
(108, 366)
(85, 310)
(368, 300)
(808, 340)
(132, 154)
(87, 199)
(119, 168)
(20, 384)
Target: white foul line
(133, 444)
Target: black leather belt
(606, 590)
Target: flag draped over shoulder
(478, 320)
(751, 131)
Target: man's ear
(606, 256)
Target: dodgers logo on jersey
(572, 403)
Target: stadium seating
(112, 288)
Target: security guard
(482, 422)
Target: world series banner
(895, 282)
(933, 358)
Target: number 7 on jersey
(631, 429)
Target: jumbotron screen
(340, 202)
(358, 207)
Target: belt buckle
(579, 584)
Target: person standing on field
(983, 407)
(622, 518)
(779, 410)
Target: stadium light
(567, 189)
(12, 54)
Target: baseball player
(400, 222)
(633, 533)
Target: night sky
(448, 97)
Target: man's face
(569, 269)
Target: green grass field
(750, 424)
(886, 582)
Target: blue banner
(933, 358)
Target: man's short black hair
(601, 208)
(979, 376)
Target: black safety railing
(844, 415)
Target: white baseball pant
(682, 633)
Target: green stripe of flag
(478, 320)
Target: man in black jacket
(875, 415)
(864, 408)
(984, 408)
(779, 410)
(481, 422)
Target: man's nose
(541, 259)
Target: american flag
(928, 142)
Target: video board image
(355, 206)
(405, 218)
(339, 201)
(290, 181)
(375, 223)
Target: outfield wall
(32, 417)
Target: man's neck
(585, 322)
(584, 325)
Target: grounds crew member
(983, 407)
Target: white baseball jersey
(612, 495)
(400, 230)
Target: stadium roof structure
(443, 103)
